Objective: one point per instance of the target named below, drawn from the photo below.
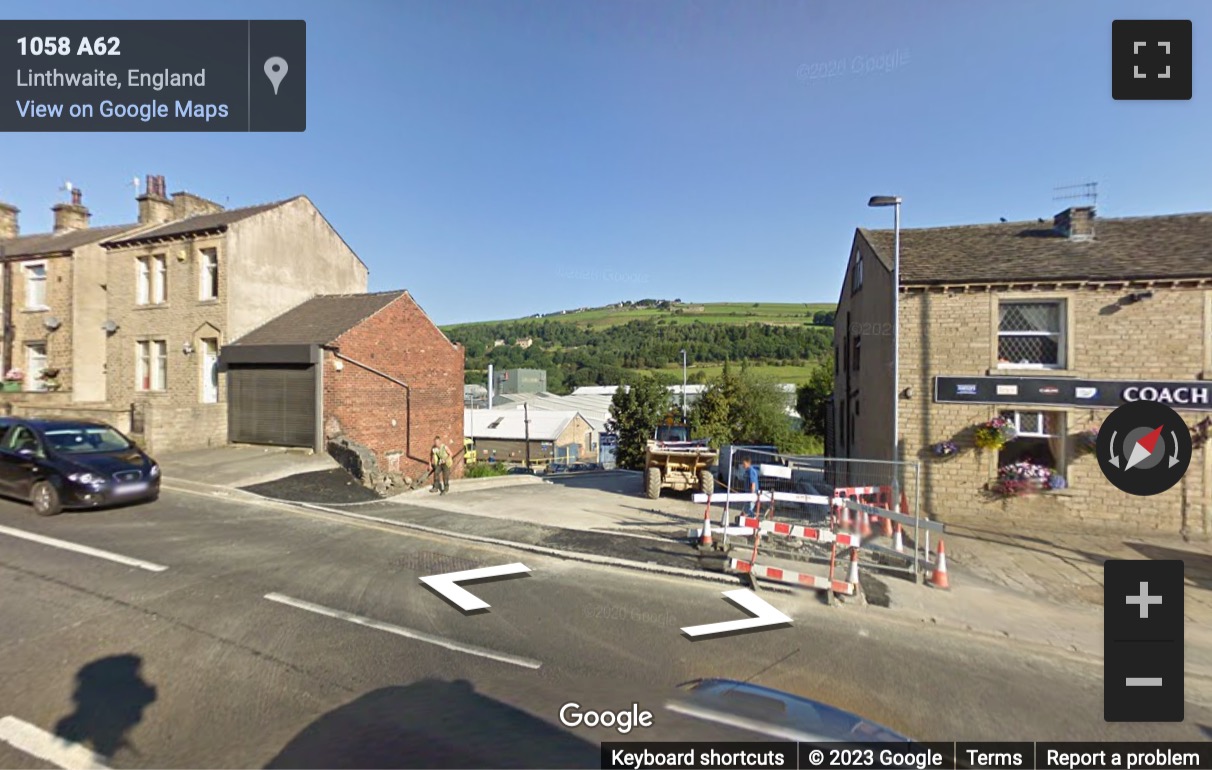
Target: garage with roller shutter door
(273, 394)
(272, 405)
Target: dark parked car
(58, 464)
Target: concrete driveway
(598, 501)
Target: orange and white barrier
(789, 576)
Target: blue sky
(504, 158)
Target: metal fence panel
(877, 501)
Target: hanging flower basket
(945, 449)
(1022, 478)
(1085, 443)
(14, 375)
(994, 434)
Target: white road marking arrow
(764, 615)
(462, 598)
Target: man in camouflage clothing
(439, 465)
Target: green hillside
(783, 313)
(609, 345)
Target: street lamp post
(683, 384)
(895, 202)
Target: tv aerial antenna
(1086, 191)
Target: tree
(635, 413)
(824, 317)
(812, 400)
(741, 408)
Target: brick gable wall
(401, 341)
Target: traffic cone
(904, 504)
(705, 538)
(887, 529)
(899, 543)
(853, 578)
(938, 578)
(864, 525)
(844, 521)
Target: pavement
(214, 629)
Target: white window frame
(33, 374)
(1060, 335)
(149, 355)
(30, 282)
(208, 275)
(143, 280)
(159, 283)
(1016, 418)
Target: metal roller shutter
(272, 405)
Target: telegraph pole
(526, 416)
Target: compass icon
(1144, 448)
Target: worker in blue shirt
(749, 476)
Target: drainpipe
(407, 400)
(9, 329)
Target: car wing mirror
(26, 452)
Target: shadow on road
(432, 724)
(110, 698)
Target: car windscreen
(85, 439)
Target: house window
(856, 281)
(858, 342)
(35, 362)
(209, 278)
(151, 365)
(151, 280)
(35, 287)
(1040, 439)
(1031, 334)
(837, 360)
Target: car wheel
(46, 500)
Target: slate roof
(40, 244)
(200, 223)
(1133, 248)
(320, 320)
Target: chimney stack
(71, 216)
(1076, 224)
(8, 221)
(154, 206)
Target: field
(734, 313)
(793, 374)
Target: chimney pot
(154, 206)
(71, 216)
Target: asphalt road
(182, 661)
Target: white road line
(84, 549)
(408, 633)
(49, 748)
